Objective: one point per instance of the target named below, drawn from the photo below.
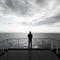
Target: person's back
(30, 36)
(30, 39)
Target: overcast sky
(26, 15)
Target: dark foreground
(29, 55)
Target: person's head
(29, 32)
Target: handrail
(51, 39)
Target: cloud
(22, 23)
(42, 2)
(33, 12)
(17, 6)
(21, 7)
(49, 20)
(14, 6)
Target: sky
(30, 15)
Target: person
(30, 40)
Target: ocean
(20, 40)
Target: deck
(29, 55)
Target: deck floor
(29, 55)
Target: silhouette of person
(30, 40)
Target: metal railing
(37, 43)
(1, 46)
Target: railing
(37, 43)
(1, 46)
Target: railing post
(3, 45)
(18, 42)
(42, 44)
(7, 44)
(56, 47)
(51, 44)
